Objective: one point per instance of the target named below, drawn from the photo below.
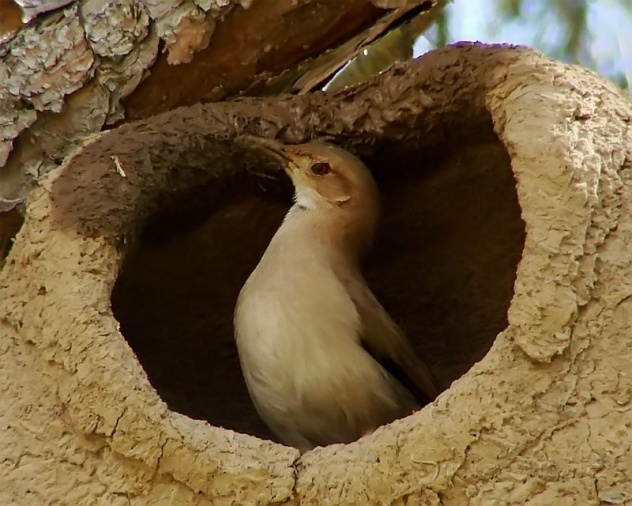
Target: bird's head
(325, 176)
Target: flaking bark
(78, 70)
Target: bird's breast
(298, 335)
(292, 313)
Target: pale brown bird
(323, 361)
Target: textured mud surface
(496, 165)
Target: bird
(322, 359)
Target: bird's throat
(333, 233)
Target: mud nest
(162, 221)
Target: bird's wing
(385, 341)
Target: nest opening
(444, 266)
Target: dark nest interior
(444, 266)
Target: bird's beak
(268, 147)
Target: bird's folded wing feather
(384, 340)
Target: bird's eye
(321, 168)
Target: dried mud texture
(498, 167)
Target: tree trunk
(76, 71)
(505, 253)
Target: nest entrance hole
(444, 266)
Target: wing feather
(388, 345)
